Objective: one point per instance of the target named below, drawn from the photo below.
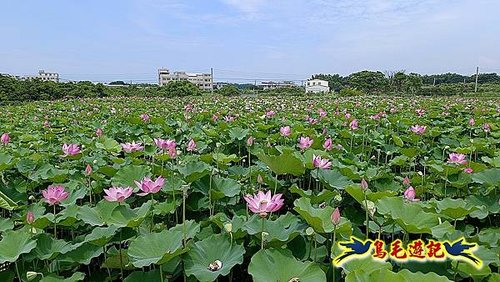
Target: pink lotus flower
(132, 147)
(420, 112)
(406, 181)
(30, 217)
(312, 120)
(172, 152)
(347, 115)
(486, 127)
(145, 117)
(328, 145)
(70, 150)
(46, 124)
(188, 108)
(418, 129)
(472, 121)
(88, 170)
(215, 118)
(250, 141)
(468, 170)
(5, 139)
(285, 131)
(305, 142)
(165, 144)
(117, 194)
(455, 158)
(364, 184)
(261, 203)
(322, 113)
(354, 124)
(191, 146)
(149, 186)
(335, 216)
(318, 162)
(270, 114)
(98, 132)
(53, 195)
(410, 195)
(229, 118)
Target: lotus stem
(161, 274)
(184, 194)
(121, 257)
(152, 212)
(17, 271)
(55, 223)
(262, 233)
(331, 251)
(366, 213)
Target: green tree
(368, 81)
(229, 90)
(180, 88)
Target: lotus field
(247, 189)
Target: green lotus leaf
(320, 218)
(140, 276)
(14, 244)
(282, 229)
(83, 254)
(364, 266)
(157, 248)
(357, 193)
(48, 248)
(5, 161)
(286, 163)
(108, 144)
(6, 202)
(489, 177)
(91, 215)
(220, 188)
(77, 276)
(6, 224)
(101, 235)
(191, 228)
(238, 133)
(454, 208)
(204, 253)
(126, 176)
(193, 171)
(408, 216)
(332, 177)
(124, 216)
(323, 196)
(280, 265)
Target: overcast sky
(247, 39)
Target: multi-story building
(204, 81)
(317, 86)
(265, 85)
(46, 76)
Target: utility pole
(477, 75)
(212, 82)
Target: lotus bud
(88, 170)
(228, 227)
(259, 179)
(364, 184)
(336, 216)
(309, 231)
(30, 217)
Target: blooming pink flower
(418, 129)
(117, 194)
(262, 203)
(305, 142)
(46, 124)
(132, 147)
(455, 158)
(318, 162)
(165, 144)
(54, 194)
(149, 186)
(250, 141)
(270, 114)
(88, 170)
(335, 216)
(468, 170)
(322, 113)
(71, 149)
(285, 131)
(486, 127)
(328, 145)
(312, 120)
(172, 152)
(188, 108)
(191, 146)
(354, 124)
(145, 117)
(5, 139)
(420, 112)
(364, 184)
(347, 115)
(30, 217)
(410, 195)
(98, 132)
(229, 118)
(472, 121)
(214, 118)
(406, 181)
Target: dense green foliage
(197, 227)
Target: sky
(247, 40)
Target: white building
(274, 85)
(204, 81)
(317, 86)
(46, 76)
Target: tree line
(13, 90)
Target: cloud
(250, 8)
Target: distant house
(44, 76)
(267, 85)
(204, 81)
(317, 86)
